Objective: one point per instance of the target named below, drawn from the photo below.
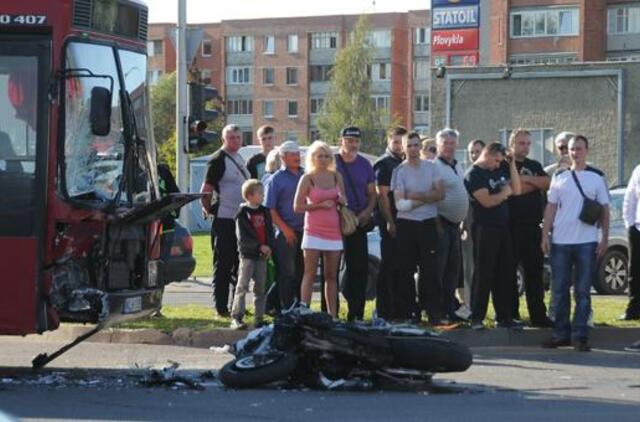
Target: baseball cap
(350, 132)
(289, 146)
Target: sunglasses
(563, 147)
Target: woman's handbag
(591, 209)
(348, 220)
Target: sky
(200, 11)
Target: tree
(163, 108)
(348, 101)
(163, 114)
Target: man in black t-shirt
(490, 182)
(256, 164)
(385, 216)
(526, 216)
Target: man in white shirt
(631, 215)
(574, 243)
(451, 211)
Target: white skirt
(317, 243)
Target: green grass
(203, 255)
(194, 317)
(606, 311)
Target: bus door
(24, 76)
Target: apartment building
(276, 71)
(561, 31)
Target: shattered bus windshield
(93, 164)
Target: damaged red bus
(79, 200)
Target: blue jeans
(582, 257)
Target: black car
(177, 254)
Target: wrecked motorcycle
(313, 349)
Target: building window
(292, 109)
(207, 48)
(292, 43)
(239, 44)
(315, 105)
(292, 135)
(267, 76)
(624, 19)
(379, 38)
(267, 109)
(205, 76)
(320, 73)
(379, 72)
(239, 107)
(247, 138)
(154, 48)
(543, 59)
(269, 44)
(421, 103)
(153, 76)
(237, 75)
(381, 102)
(324, 40)
(545, 23)
(292, 76)
(423, 36)
(421, 70)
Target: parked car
(612, 274)
(178, 259)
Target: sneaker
(477, 325)
(635, 347)
(582, 345)
(629, 316)
(553, 343)
(258, 323)
(543, 323)
(224, 314)
(512, 324)
(237, 324)
(463, 312)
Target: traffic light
(197, 139)
(200, 115)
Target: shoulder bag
(591, 209)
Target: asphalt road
(101, 382)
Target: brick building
(275, 71)
(559, 31)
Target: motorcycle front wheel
(432, 354)
(255, 370)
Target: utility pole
(182, 171)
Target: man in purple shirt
(281, 190)
(359, 184)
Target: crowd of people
(451, 238)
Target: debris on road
(168, 377)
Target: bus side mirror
(100, 115)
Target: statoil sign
(435, 3)
(455, 17)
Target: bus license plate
(132, 305)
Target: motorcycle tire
(433, 354)
(247, 372)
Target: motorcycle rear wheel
(433, 354)
(255, 370)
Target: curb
(497, 337)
